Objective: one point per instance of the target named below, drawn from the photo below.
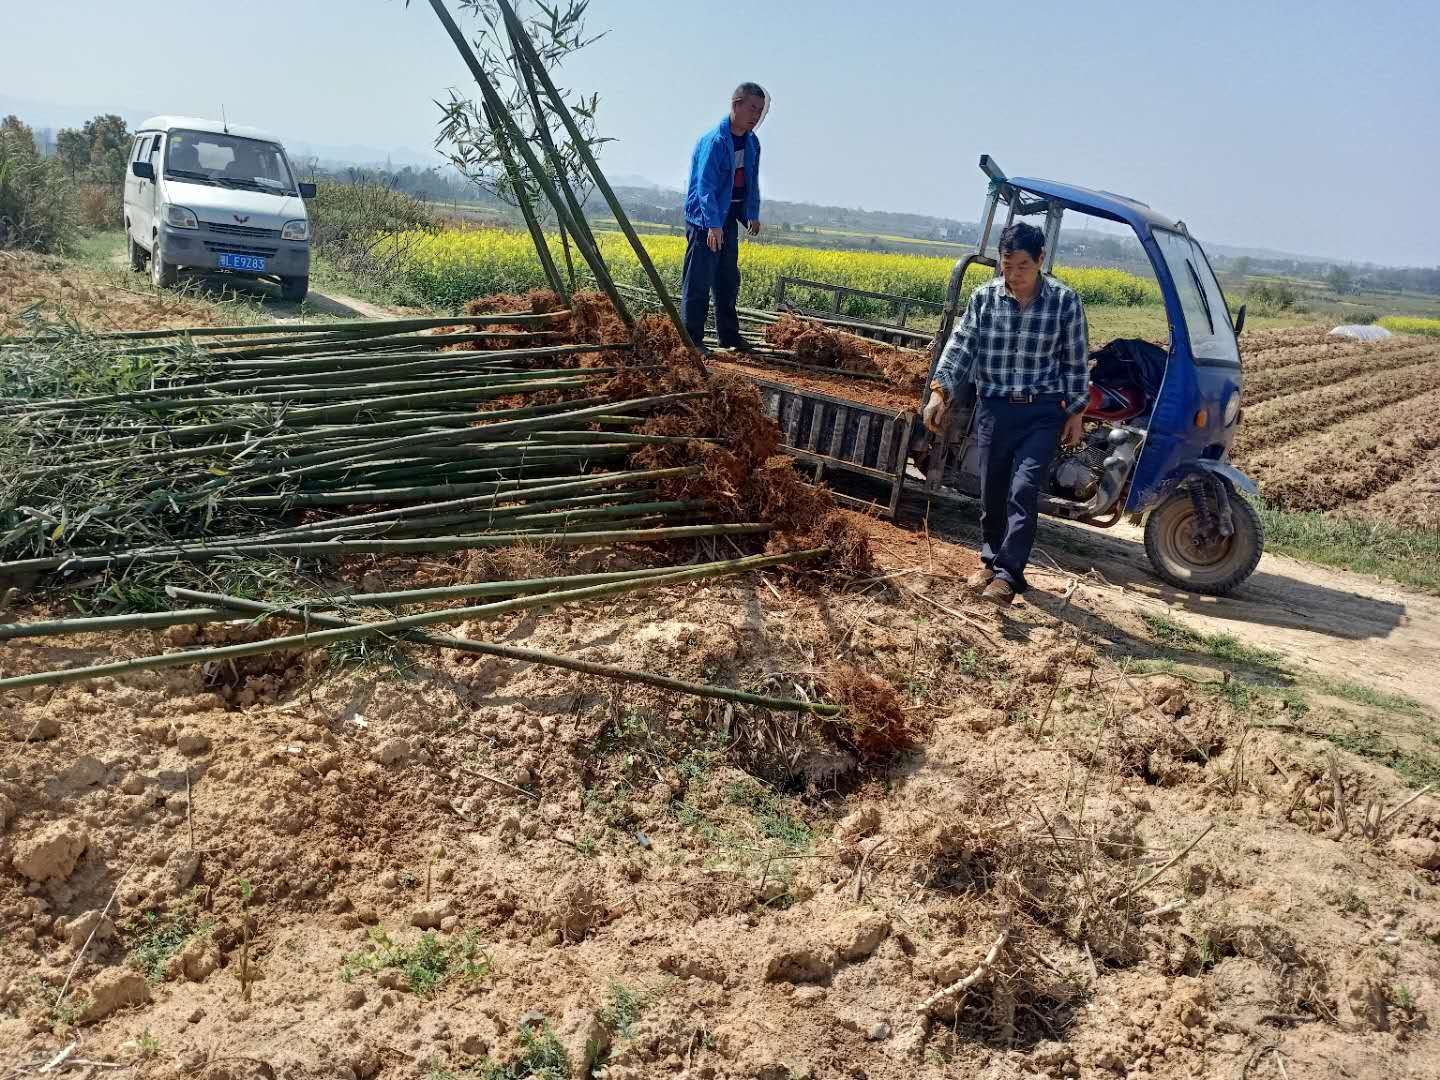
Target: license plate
(241, 262)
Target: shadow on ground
(1269, 598)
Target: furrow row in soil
(1302, 415)
(1413, 500)
(1349, 461)
(1277, 382)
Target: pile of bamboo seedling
(270, 448)
(160, 452)
(300, 444)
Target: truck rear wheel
(1214, 569)
(134, 252)
(294, 288)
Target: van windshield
(228, 161)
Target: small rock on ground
(51, 854)
(799, 964)
(857, 934)
(114, 989)
(1423, 853)
(392, 752)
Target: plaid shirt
(1006, 350)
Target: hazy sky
(1290, 125)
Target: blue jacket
(712, 178)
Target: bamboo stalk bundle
(272, 455)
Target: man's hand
(715, 239)
(934, 415)
(755, 227)
(1073, 431)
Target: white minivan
(204, 194)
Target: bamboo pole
(102, 624)
(299, 396)
(358, 431)
(381, 373)
(532, 602)
(201, 553)
(517, 138)
(568, 663)
(531, 61)
(542, 128)
(531, 585)
(565, 248)
(353, 326)
(522, 198)
(509, 426)
(606, 480)
(346, 630)
(152, 620)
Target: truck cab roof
(214, 127)
(1105, 204)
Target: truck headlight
(177, 217)
(1232, 408)
(296, 230)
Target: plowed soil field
(1343, 426)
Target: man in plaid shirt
(1022, 343)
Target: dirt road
(1328, 624)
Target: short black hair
(1022, 237)
(748, 89)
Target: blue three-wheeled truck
(1158, 426)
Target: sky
(1308, 127)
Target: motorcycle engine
(1078, 469)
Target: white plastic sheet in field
(1360, 333)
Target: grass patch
(624, 1007)
(426, 964)
(1408, 556)
(541, 1057)
(781, 834)
(771, 814)
(1372, 698)
(1176, 635)
(99, 249)
(384, 656)
(157, 939)
(1415, 769)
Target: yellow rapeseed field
(454, 265)
(1408, 324)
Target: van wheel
(135, 252)
(162, 274)
(294, 288)
(1213, 569)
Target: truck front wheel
(1214, 568)
(294, 288)
(162, 274)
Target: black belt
(1024, 399)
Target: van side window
(137, 146)
(155, 146)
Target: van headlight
(296, 230)
(1232, 408)
(177, 217)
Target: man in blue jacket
(723, 194)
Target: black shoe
(741, 346)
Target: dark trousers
(1016, 443)
(707, 271)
